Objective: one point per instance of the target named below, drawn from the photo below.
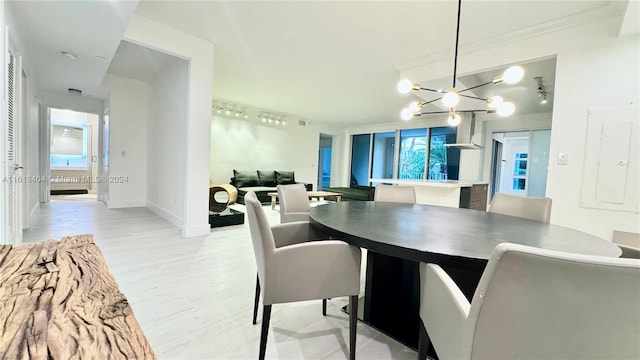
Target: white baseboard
(117, 204)
(168, 215)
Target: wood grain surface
(58, 300)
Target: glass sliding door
(444, 162)
(383, 151)
(413, 152)
(360, 147)
(538, 163)
(324, 161)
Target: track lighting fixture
(542, 91)
(237, 111)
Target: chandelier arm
(455, 59)
(473, 97)
(457, 111)
(477, 86)
(432, 90)
(431, 101)
(434, 112)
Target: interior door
(13, 228)
(497, 168)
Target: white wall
(168, 141)
(128, 101)
(72, 102)
(248, 144)
(594, 68)
(604, 74)
(193, 178)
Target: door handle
(17, 167)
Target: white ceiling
(328, 61)
(91, 30)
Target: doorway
(519, 162)
(324, 161)
(73, 154)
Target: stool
(217, 205)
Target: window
(444, 162)
(519, 171)
(413, 148)
(422, 154)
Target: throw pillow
(285, 177)
(267, 178)
(246, 178)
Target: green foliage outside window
(412, 155)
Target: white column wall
(128, 119)
(194, 176)
(168, 141)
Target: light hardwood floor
(193, 297)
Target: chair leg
(324, 307)
(423, 342)
(266, 317)
(257, 299)
(353, 322)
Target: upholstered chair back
(294, 203)
(261, 236)
(533, 208)
(629, 252)
(535, 303)
(393, 193)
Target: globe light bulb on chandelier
(451, 99)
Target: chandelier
(451, 98)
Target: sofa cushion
(267, 178)
(246, 178)
(285, 177)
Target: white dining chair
(533, 208)
(533, 303)
(304, 270)
(393, 193)
(294, 203)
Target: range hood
(466, 138)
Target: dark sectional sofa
(261, 182)
(355, 192)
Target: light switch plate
(563, 158)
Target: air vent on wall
(302, 123)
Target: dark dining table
(400, 236)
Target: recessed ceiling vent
(74, 92)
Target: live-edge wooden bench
(58, 300)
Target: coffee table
(320, 195)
